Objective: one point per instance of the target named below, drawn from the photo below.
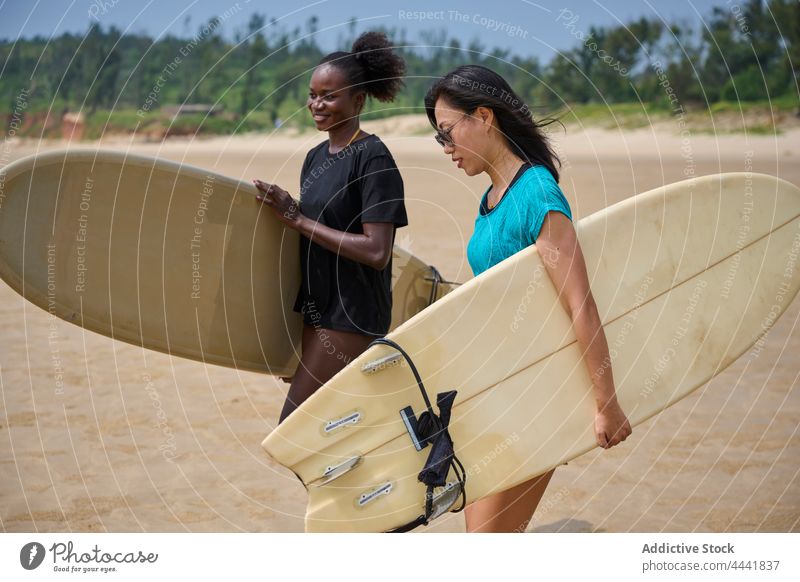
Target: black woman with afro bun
(351, 201)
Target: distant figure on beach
(351, 203)
(483, 125)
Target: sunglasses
(442, 136)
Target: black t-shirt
(358, 184)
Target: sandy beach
(137, 440)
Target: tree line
(739, 53)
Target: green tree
(257, 51)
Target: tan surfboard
(166, 256)
(687, 277)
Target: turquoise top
(514, 223)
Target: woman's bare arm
(372, 248)
(561, 253)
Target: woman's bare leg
(325, 352)
(507, 511)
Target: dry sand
(141, 441)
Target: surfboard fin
(378, 364)
(335, 471)
(445, 499)
(436, 505)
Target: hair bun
(371, 64)
(383, 67)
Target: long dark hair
(372, 65)
(471, 86)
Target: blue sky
(526, 27)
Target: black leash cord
(458, 468)
(390, 343)
(437, 278)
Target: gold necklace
(358, 130)
(348, 143)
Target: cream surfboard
(166, 256)
(687, 277)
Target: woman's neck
(338, 137)
(502, 170)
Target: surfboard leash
(436, 279)
(432, 429)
